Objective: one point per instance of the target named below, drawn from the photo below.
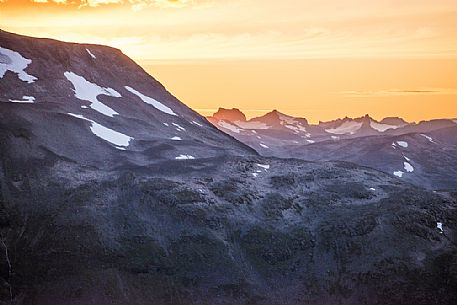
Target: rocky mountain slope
(426, 155)
(100, 205)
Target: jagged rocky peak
(231, 115)
(276, 117)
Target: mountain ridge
(114, 192)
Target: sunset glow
(306, 58)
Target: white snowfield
(112, 136)
(382, 127)
(403, 144)
(91, 54)
(345, 128)
(25, 99)
(176, 139)
(229, 126)
(16, 63)
(185, 157)
(398, 173)
(149, 100)
(408, 167)
(252, 125)
(87, 91)
(427, 137)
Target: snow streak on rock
(91, 54)
(107, 134)
(25, 100)
(149, 100)
(185, 157)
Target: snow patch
(439, 225)
(149, 100)
(25, 99)
(408, 167)
(406, 158)
(427, 137)
(263, 145)
(382, 127)
(229, 126)
(16, 63)
(251, 125)
(166, 124)
(265, 166)
(105, 133)
(178, 127)
(185, 157)
(87, 91)
(398, 173)
(197, 123)
(372, 189)
(91, 54)
(345, 128)
(402, 143)
(176, 139)
(254, 174)
(335, 138)
(311, 141)
(296, 128)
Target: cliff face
(114, 192)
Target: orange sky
(314, 58)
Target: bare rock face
(103, 204)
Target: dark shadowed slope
(104, 208)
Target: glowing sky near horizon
(314, 58)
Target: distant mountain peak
(394, 121)
(231, 115)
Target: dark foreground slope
(87, 221)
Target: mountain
(363, 141)
(231, 115)
(105, 100)
(101, 203)
(428, 160)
